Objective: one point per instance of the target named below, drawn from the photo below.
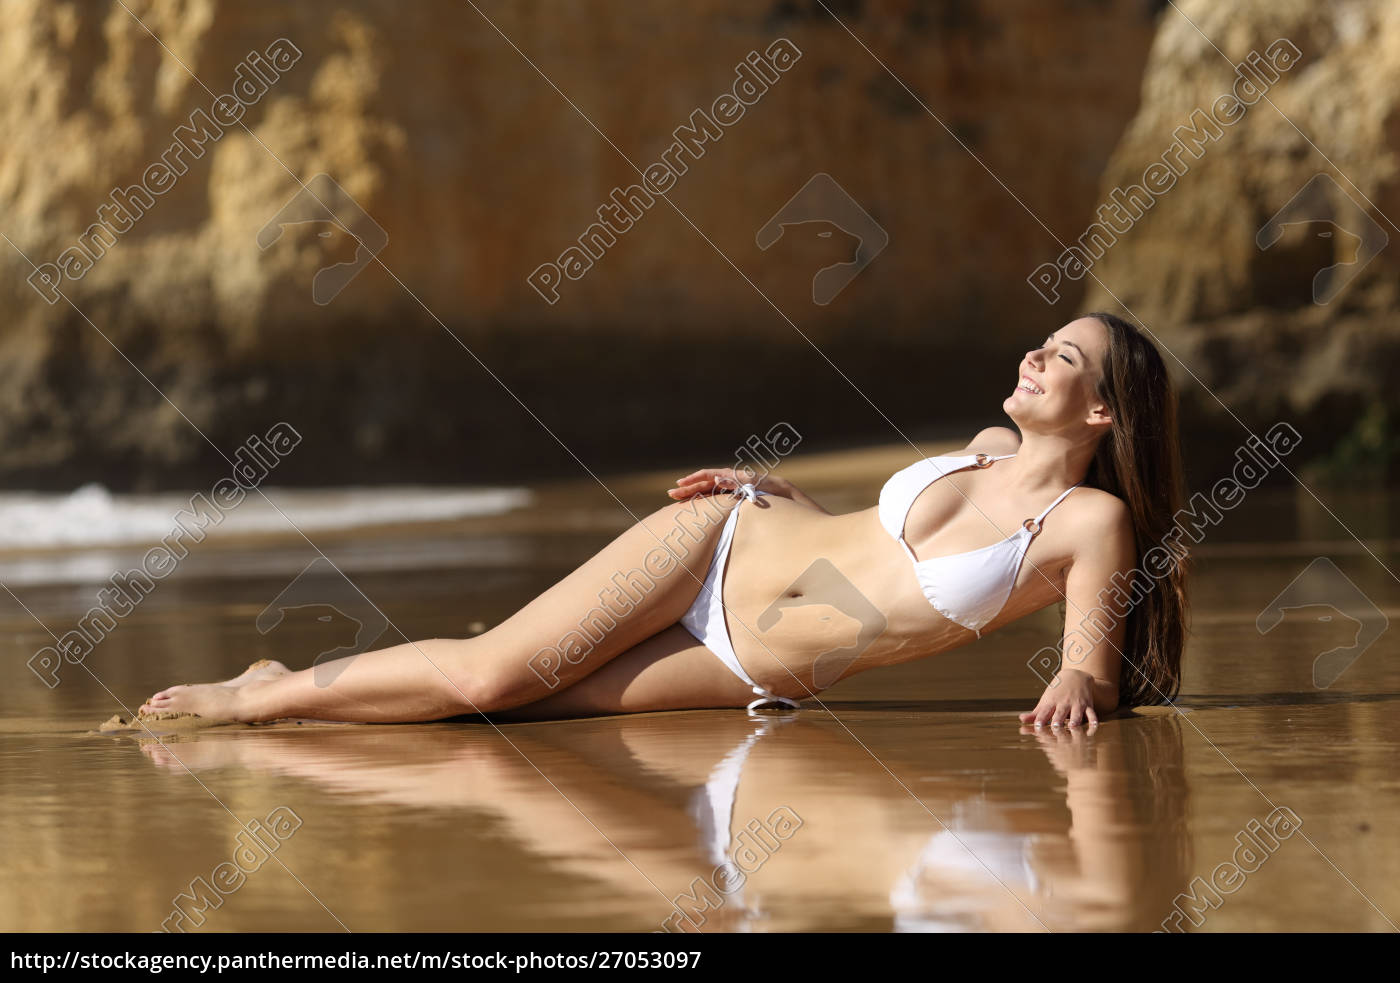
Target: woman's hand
(1069, 699)
(709, 481)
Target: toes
(160, 700)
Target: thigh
(668, 671)
(636, 586)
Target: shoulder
(995, 440)
(1101, 511)
(1101, 523)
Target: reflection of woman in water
(1119, 866)
(671, 614)
(990, 844)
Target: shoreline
(571, 505)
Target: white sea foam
(92, 516)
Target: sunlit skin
(646, 661)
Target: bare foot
(214, 700)
(217, 700)
(262, 669)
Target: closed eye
(1050, 339)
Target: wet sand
(920, 803)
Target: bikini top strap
(978, 461)
(968, 457)
(1041, 518)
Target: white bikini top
(920, 898)
(967, 588)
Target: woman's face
(1056, 382)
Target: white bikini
(968, 846)
(705, 619)
(963, 848)
(969, 589)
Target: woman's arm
(1092, 649)
(710, 480)
(706, 481)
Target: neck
(1052, 461)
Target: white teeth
(1030, 387)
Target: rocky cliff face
(1269, 267)
(211, 286)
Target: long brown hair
(1139, 460)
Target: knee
(486, 688)
(455, 679)
(467, 693)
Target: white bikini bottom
(705, 619)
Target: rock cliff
(201, 302)
(1269, 267)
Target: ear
(1099, 416)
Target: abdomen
(822, 597)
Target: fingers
(709, 475)
(693, 484)
(682, 490)
(1041, 715)
(1069, 713)
(709, 479)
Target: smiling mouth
(1026, 386)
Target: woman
(640, 626)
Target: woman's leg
(639, 584)
(669, 671)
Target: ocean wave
(92, 516)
